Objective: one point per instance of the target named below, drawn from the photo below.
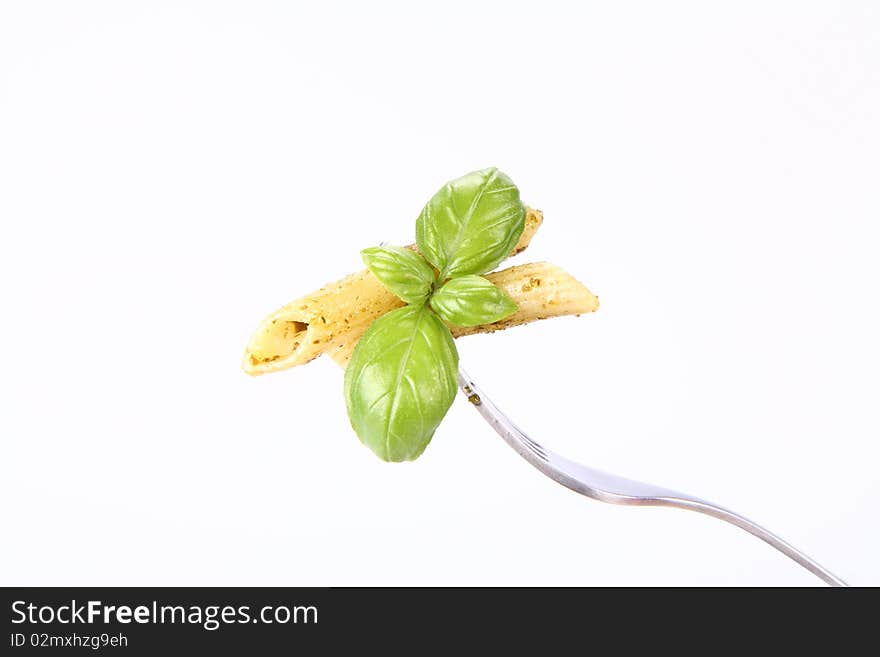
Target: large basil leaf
(472, 224)
(404, 272)
(472, 300)
(400, 382)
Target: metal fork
(618, 490)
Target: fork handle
(753, 528)
(617, 490)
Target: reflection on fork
(618, 490)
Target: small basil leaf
(472, 300)
(403, 272)
(472, 224)
(400, 382)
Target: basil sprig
(471, 224)
(401, 378)
(470, 301)
(403, 272)
(401, 381)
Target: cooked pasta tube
(332, 317)
(540, 289)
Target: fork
(610, 488)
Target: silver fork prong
(610, 488)
(532, 445)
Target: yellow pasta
(331, 318)
(540, 289)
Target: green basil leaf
(404, 272)
(400, 382)
(472, 300)
(472, 224)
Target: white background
(170, 173)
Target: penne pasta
(332, 318)
(540, 289)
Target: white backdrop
(170, 173)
